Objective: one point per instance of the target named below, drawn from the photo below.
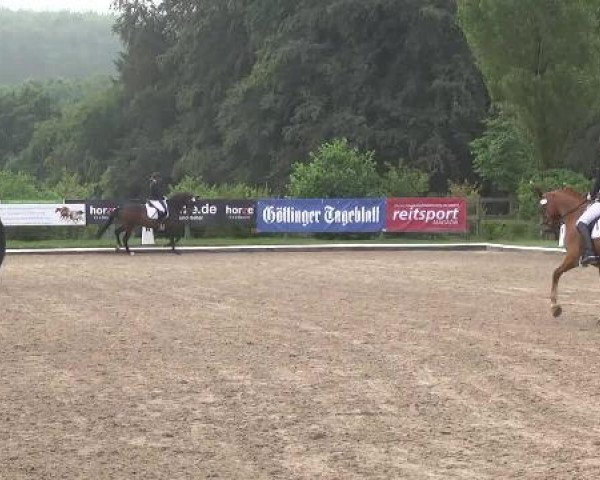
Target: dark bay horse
(134, 215)
(2, 243)
(564, 206)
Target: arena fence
(479, 218)
(359, 215)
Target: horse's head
(557, 205)
(550, 217)
(182, 201)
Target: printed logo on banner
(209, 212)
(30, 214)
(70, 214)
(426, 215)
(98, 211)
(320, 215)
(204, 211)
(240, 210)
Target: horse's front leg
(172, 243)
(568, 263)
(126, 240)
(118, 232)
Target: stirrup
(589, 260)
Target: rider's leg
(589, 254)
(585, 224)
(163, 213)
(159, 207)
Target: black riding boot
(159, 220)
(589, 254)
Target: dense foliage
(240, 91)
(502, 155)
(541, 62)
(338, 170)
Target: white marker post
(147, 236)
(561, 237)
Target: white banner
(42, 214)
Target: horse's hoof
(556, 311)
(131, 253)
(117, 249)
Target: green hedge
(508, 229)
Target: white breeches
(591, 214)
(157, 205)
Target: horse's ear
(536, 189)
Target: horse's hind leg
(568, 263)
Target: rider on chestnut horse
(586, 222)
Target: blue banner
(320, 215)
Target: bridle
(573, 210)
(562, 218)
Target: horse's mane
(571, 192)
(180, 196)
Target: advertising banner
(320, 215)
(205, 212)
(43, 214)
(424, 215)
(221, 212)
(98, 211)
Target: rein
(573, 210)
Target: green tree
(70, 186)
(201, 189)
(540, 61)
(396, 77)
(336, 170)
(233, 91)
(501, 155)
(80, 139)
(404, 181)
(20, 109)
(20, 186)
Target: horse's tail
(111, 218)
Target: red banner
(426, 215)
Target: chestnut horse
(134, 215)
(564, 206)
(2, 243)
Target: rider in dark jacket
(157, 193)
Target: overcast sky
(101, 6)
